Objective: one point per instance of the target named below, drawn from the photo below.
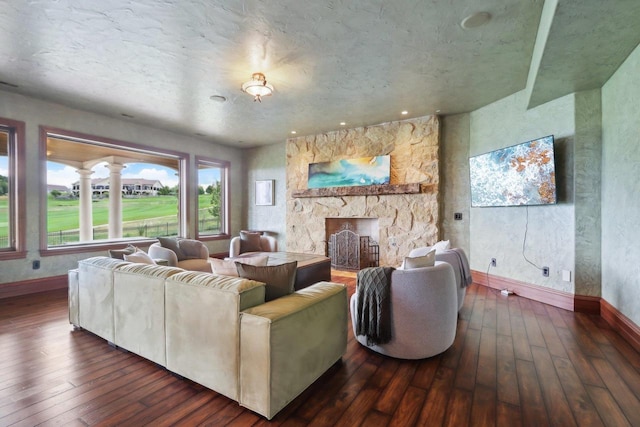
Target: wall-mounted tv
(519, 175)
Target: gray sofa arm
(288, 343)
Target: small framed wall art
(264, 192)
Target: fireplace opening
(352, 243)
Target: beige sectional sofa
(215, 330)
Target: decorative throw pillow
(427, 260)
(223, 267)
(228, 267)
(422, 251)
(279, 279)
(120, 253)
(249, 242)
(139, 256)
(190, 248)
(442, 246)
(173, 244)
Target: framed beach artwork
(264, 192)
(350, 172)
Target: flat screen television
(519, 175)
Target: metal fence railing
(62, 237)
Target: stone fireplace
(404, 221)
(362, 226)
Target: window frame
(184, 189)
(225, 165)
(17, 189)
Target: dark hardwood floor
(514, 362)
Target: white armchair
(194, 255)
(458, 260)
(424, 313)
(253, 242)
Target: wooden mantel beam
(365, 190)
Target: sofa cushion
(173, 244)
(249, 242)
(120, 253)
(279, 279)
(228, 267)
(139, 256)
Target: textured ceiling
(358, 61)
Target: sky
(59, 174)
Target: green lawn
(159, 211)
(4, 215)
(63, 214)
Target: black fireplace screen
(350, 251)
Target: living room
(591, 232)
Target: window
(213, 209)
(101, 191)
(12, 193)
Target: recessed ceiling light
(475, 20)
(199, 134)
(218, 98)
(404, 113)
(437, 111)
(343, 123)
(128, 116)
(293, 132)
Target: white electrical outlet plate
(566, 275)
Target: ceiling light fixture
(343, 123)
(257, 87)
(293, 132)
(404, 113)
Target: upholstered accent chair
(187, 254)
(424, 312)
(251, 242)
(458, 260)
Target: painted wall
(621, 189)
(499, 232)
(35, 112)
(267, 163)
(454, 180)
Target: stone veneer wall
(406, 221)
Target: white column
(86, 209)
(115, 200)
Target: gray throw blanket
(457, 257)
(373, 318)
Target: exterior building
(130, 186)
(61, 188)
